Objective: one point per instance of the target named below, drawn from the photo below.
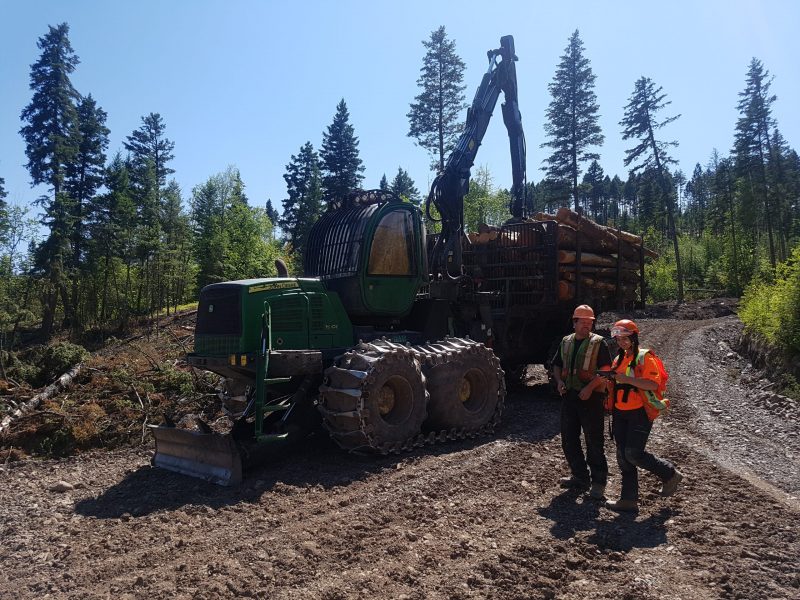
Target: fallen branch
(62, 382)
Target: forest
(116, 240)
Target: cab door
(392, 273)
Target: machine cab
(371, 253)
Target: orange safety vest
(628, 397)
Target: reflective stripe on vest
(582, 370)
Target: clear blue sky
(247, 83)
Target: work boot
(623, 505)
(669, 486)
(574, 483)
(598, 491)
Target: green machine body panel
(303, 316)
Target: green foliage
(61, 357)
(772, 308)
(483, 204)
(661, 276)
(175, 380)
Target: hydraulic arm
(449, 188)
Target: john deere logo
(275, 285)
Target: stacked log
(607, 256)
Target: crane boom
(451, 185)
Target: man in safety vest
(574, 370)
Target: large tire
(374, 398)
(467, 390)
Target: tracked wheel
(374, 398)
(467, 389)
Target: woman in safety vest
(631, 424)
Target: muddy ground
(477, 519)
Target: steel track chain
(342, 395)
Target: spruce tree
(572, 119)
(403, 185)
(650, 154)
(52, 137)
(303, 204)
(384, 183)
(84, 176)
(341, 165)
(271, 213)
(435, 115)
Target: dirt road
(478, 519)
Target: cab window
(392, 247)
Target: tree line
(123, 242)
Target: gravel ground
(477, 519)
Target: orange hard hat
(584, 311)
(624, 327)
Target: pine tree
(435, 115)
(640, 122)
(403, 185)
(384, 183)
(341, 165)
(303, 204)
(572, 119)
(52, 139)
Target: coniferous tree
(403, 185)
(3, 211)
(384, 183)
(341, 164)
(303, 204)
(84, 176)
(615, 195)
(52, 138)
(572, 119)
(435, 115)
(593, 179)
(640, 123)
(111, 222)
(150, 152)
(271, 213)
(752, 143)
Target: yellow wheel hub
(464, 390)
(386, 400)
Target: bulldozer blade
(209, 456)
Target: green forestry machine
(387, 339)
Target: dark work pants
(577, 415)
(631, 429)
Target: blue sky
(247, 83)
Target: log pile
(606, 255)
(592, 259)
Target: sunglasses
(620, 332)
